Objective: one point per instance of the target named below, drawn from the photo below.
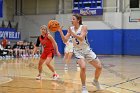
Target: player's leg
(69, 57)
(92, 58)
(65, 61)
(41, 61)
(48, 63)
(82, 65)
(97, 64)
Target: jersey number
(77, 42)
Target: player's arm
(64, 37)
(80, 37)
(36, 46)
(35, 49)
(54, 44)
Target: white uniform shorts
(86, 54)
(68, 49)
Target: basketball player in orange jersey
(50, 46)
(82, 50)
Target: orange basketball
(53, 25)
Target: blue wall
(59, 42)
(131, 42)
(113, 42)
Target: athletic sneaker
(66, 67)
(38, 77)
(55, 76)
(96, 83)
(77, 65)
(84, 90)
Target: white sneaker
(55, 76)
(77, 65)
(96, 83)
(84, 90)
(66, 67)
(38, 77)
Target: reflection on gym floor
(120, 75)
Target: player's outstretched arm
(80, 37)
(64, 37)
(35, 50)
(54, 44)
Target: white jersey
(78, 45)
(69, 45)
(69, 42)
(82, 49)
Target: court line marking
(65, 79)
(10, 79)
(109, 86)
(49, 73)
(117, 74)
(60, 81)
(126, 81)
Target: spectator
(4, 42)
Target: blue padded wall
(131, 42)
(101, 41)
(113, 42)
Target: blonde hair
(44, 26)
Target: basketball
(53, 25)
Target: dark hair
(31, 43)
(78, 17)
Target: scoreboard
(88, 7)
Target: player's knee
(39, 66)
(99, 67)
(83, 69)
(48, 64)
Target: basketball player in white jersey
(68, 52)
(82, 51)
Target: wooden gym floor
(121, 74)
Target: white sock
(84, 86)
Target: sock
(95, 80)
(66, 65)
(84, 87)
